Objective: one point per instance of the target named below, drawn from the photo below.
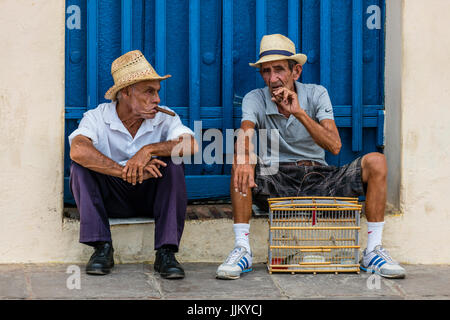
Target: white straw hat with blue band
(275, 47)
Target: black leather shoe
(167, 265)
(102, 260)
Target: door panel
(206, 46)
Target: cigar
(170, 113)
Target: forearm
(243, 170)
(327, 138)
(85, 154)
(244, 148)
(185, 145)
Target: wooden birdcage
(314, 234)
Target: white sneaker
(380, 262)
(238, 261)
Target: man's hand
(244, 176)
(133, 171)
(287, 100)
(152, 169)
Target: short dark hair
(292, 64)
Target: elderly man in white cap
(302, 114)
(122, 165)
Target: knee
(77, 170)
(375, 164)
(173, 167)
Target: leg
(98, 197)
(94, 224)
(91, 192)
(242, 213)
(240, 259)
(375, 258)
(374, 173)
(241, 206)
(167, 196)
(169, 207)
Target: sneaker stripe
(378, 261)
(372, 261)
(381, 264)
(246, 262)
(242, 264)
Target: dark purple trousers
(99, 197)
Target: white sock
(241, 232)
(374, 235)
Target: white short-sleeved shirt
(295, 142)
(109, 136)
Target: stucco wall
(418, 151)
(425, 136)
(32, 129)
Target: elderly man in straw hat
(122, 165)
(302, 114)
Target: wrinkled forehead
(274, 64)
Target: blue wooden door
(206, 46)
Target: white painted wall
(420, 140)
(31, 128)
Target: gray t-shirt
(295, 142)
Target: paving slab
(61, 282)
(425, 282)
(141, 282)
(300, 286)
(13, 283)
(200, 283)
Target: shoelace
(100, 252)
(385, 255)
(168, 257)
(233, 256)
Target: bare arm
(186, 144)
(325, 133)
(245, 159)
(83, 152)
(244, 146)
(134, 172)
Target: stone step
(208, 236)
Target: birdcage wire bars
(314, 234)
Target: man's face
(277, 74)
(143, 97)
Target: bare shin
(374, 173)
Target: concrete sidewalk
(139, 281)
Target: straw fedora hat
(277, 47)
(128, 69)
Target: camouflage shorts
(298, 181)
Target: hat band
(280, 52)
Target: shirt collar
(111, 118)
